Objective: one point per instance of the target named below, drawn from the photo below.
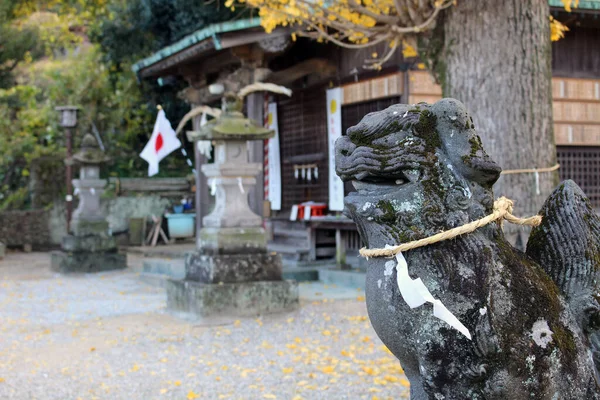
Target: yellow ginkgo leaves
(568, 3)
(557, 29)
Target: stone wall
(18, 228)
(118, 210)
(44, 228)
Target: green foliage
(140, 27)
(17, 43)
(47, 60)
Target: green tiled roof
(196, 37)
(583, 4)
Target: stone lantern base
(242, 299)
(87, 262)
(89, 249)
(233, 285)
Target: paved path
(108, 336)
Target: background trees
(80, 53)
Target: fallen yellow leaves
(328, 369)
(287, 370)
(191, 395)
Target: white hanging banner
(334, 131)
(274, 159)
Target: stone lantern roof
(231, 125)
(90, 153)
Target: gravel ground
(108, 336)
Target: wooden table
(341, 225)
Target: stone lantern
(68, 121)
(68, 116)
(231, 271)
(88, 247)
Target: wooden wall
(576, 105)
(378, 88)
(577, 54)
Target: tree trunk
(497, 57)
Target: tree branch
(377, 17)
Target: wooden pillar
(254, 104)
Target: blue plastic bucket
(181, 225)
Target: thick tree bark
(497, 57)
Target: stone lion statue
(534, 316)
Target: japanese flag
(162, 142)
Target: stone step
(325, 251)
(287, 249)
(350, 279)
(286, 232)
(289, 241)
(301, 274)
(172, 268)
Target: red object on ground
(316, 210)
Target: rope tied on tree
(503, 208)
(530, 170)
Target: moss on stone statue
(476, 146)
(388, 213)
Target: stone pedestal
(88, 247)
(231, 273)
(246, 299)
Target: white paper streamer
(303, 175)
(213, 187)
(307, 212)
(316, 172)
(537, 183)
(93, 191)
(204, 148)
(296, 173)
(415, 293)
(309, 174)
(76, 192)
(239, 179)
(294, 213)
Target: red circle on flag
(158, 144)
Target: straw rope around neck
(503, 208)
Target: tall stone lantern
(231, 271)
(88, 247)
